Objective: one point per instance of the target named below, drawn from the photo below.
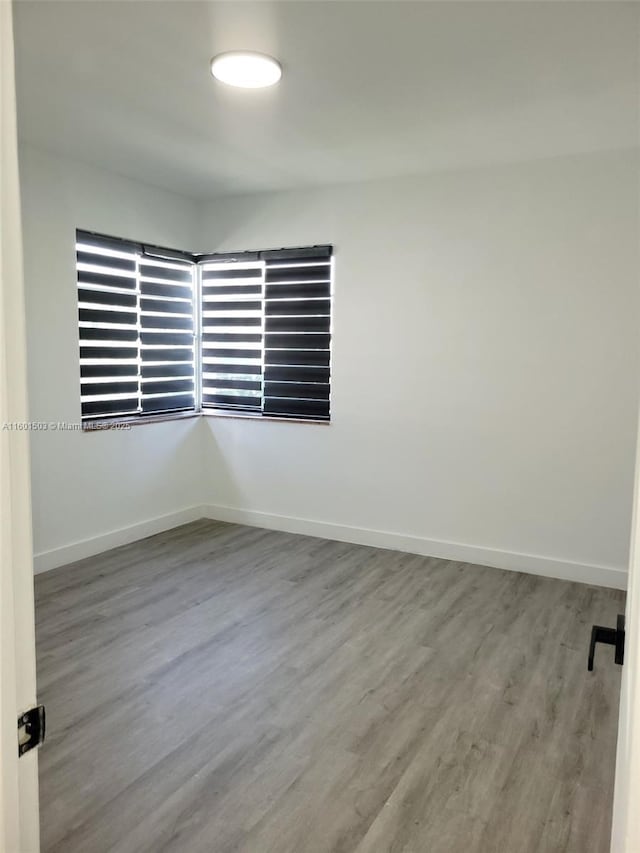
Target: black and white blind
(297, 346)
(167, 367)
(136, 329)
(266, 332)
(232, 334)
(263, 321)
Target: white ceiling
(370, 89)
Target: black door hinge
(31, 727)
(610, 636)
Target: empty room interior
(332, 348)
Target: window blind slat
(312, 409)
(250, 353)
(313, 358)
(106, 408)
(298, 390)
(273, 373)
(293, 340)
(245, 369)
(165, 322)
(166, 339)
(231, 337)
(107, 334)
(97, 315)
(293, 272)
(108, 352)
(166, 272)
(302, 324)
(226, 272)
(108, 371)
(126, 282)
(167, 386)
(88, 389)
(238, 307)
(167, 403)
(151, 371)
(107, 297)
(300, 290)
(156, 354)
(167, 306)
(298, 307)
(212, 293)
(235, 322)
(229, 401)
(239, 384)
(127, 264)
(174, 291)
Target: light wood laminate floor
(220, 688)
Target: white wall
(484, 367)
(87, 485)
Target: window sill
(219, 413)
(107, 424)
(116, 424)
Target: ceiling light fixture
(246, 69)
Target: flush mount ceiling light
(246, 69)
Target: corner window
(164, 332)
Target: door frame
(625, 829)
(19, 813)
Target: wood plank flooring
(219, 688)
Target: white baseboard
(529, 563)
(46, 560)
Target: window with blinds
(266, 332)
(262, 321)
(136, 329)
